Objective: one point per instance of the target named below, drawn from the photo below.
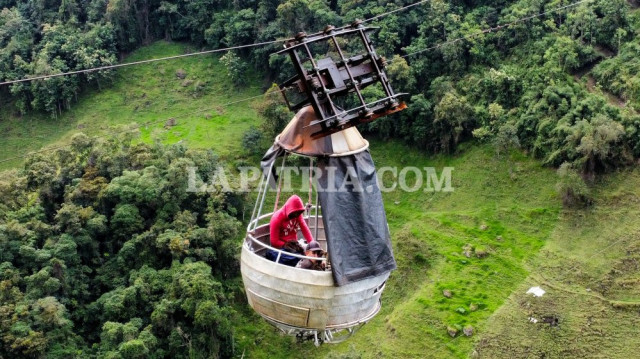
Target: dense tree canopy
(104, 251)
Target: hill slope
(150, 93)
(589, 269)
(504, 213)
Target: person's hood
(294, 203)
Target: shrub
(571, 188)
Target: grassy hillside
(590, 269)
(504, 213)
(143, 94)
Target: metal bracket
(322, 82)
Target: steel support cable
(396, 10)
(496, 28)
(110, 67)
(115, 66)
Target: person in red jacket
(284, 226)
(286, 222)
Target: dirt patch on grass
(559, 325)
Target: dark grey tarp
(355, 223)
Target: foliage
(62, 47)
(103, 243)
(452, 120)
(236, 68)
(274, 112)
(571, 188)
(252, 141)
(621, 74)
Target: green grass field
(142, 94)
(501, 231)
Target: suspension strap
(275, 207)
(310, 184)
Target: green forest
(104, 253)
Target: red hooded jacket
(284, 229)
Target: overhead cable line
(115, 66)
(496, 28)
(396, 10)
(110, 67)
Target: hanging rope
(275, 207)
(115, 66)
(309, 204)
(497, 28)
(396, 10)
